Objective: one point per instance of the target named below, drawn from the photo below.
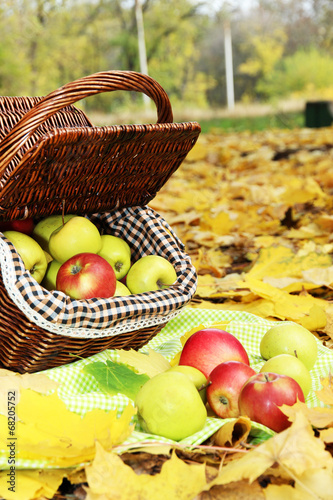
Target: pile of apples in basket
(213, 375)
(70, 255)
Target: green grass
(253, 123)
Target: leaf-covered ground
(255, 214)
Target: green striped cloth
(81, 394)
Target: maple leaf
(325, 394)
(114, 378)
(14, 382)
(46, 429)
(150, 364)
(294, 450)
(110, 479)
(32, 484)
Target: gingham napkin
(81, 394)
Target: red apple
(226, 382)
(86, 275)
(210, 347)
(263, 393)
(25, 226)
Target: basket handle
(107, 81)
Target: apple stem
(266, 377)
(162, 286)
(204, 386)
(295, 353)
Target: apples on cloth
(226, 382)
(262, 395)
(286, 364)
(290, 338)
(209, 347)
(169, 405)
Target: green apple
(290, 338)
(169, 405)
(121, 290)
(196, 376)
(77, 235)
(151, 272)
(50, 278)
(117, 252)
(32, 254)
(45, 227)
(286, 364)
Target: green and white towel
(81, 393)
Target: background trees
(280, 47)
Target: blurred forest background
(282, 50)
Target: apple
(226, 382)
(262, 395)
(286, 364)
(86, 275)
(117, 252)
(25, 226)
(196, 376)
(290, 338)
(210, 347)
(45, 227)
(31, 253)
(77, 235)
(169, 405)
(121, 290)
(50, 278)
(151, 272)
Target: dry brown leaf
(232, 433)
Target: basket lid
(53, 160)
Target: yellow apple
(117, 252)
(45, 227)
(286, 364)
(77, 235)
(121, 290)
(32, 254)
(169, 405)
(290, 338)
(50, 278)
(151, 272)
(196, 376)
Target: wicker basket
(53, 161)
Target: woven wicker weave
(52, 161)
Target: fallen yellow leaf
(31, 484)
(45, 429)
(151, 364)
(294, 450)
(233, 432)
(109, 478)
